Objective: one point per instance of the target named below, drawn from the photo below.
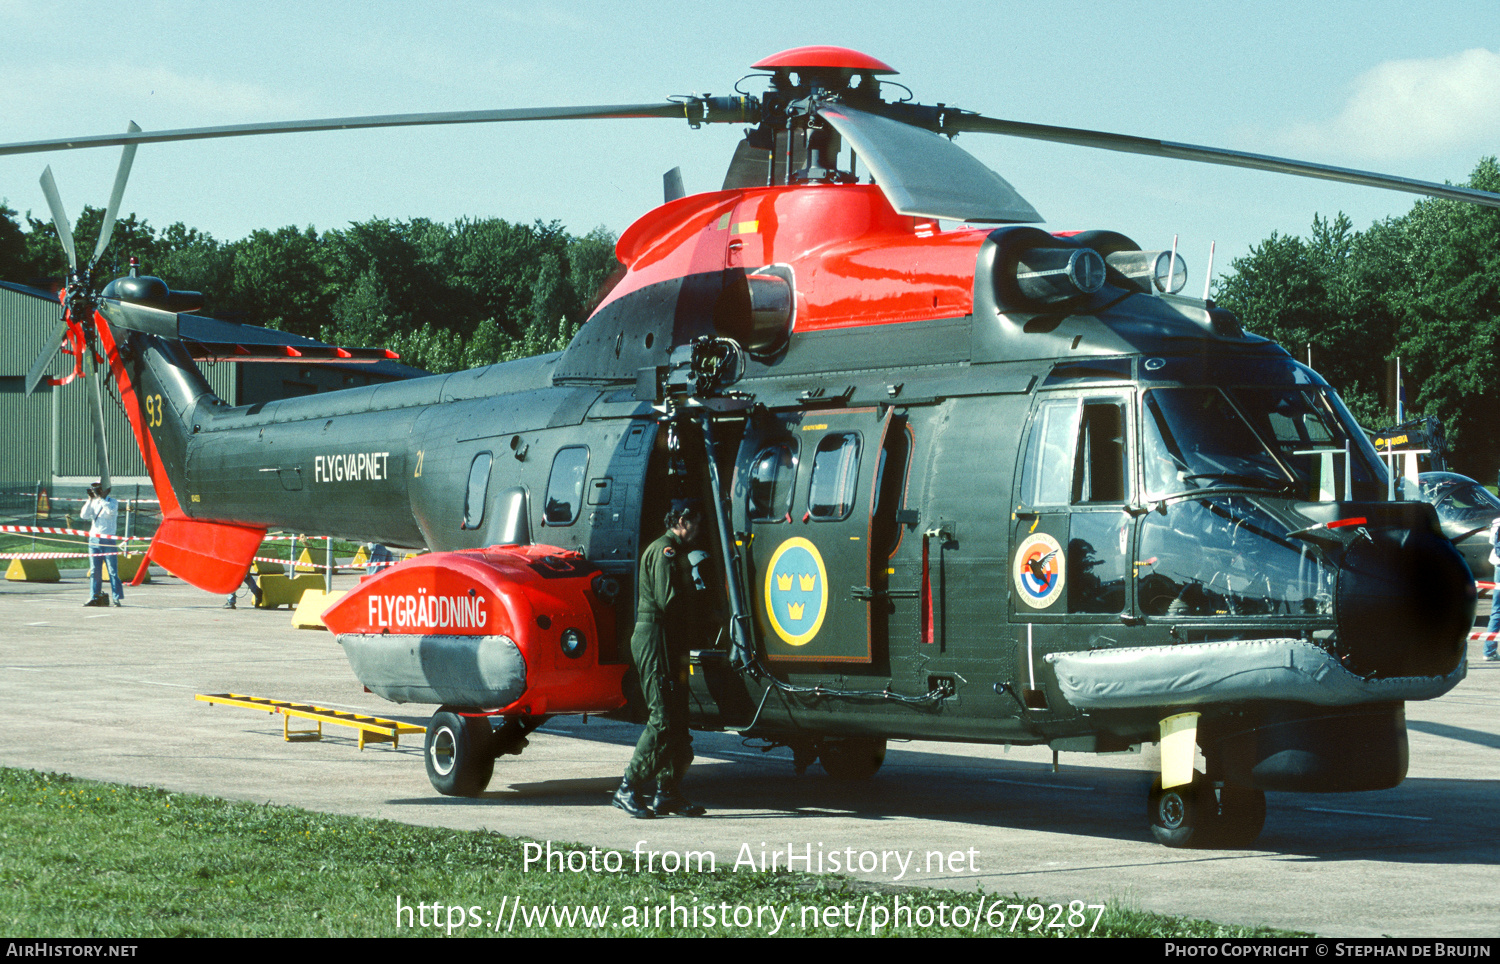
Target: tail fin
(161, 387)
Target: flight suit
(668, 619)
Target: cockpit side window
(1047, 478)
(1100, 475)
(1077, 453)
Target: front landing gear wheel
(1176, 814)
(852, 758)
(460, 761)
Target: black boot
(629, 799)
(99, 600)
(672, 801)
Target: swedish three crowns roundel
(796, 591)
(1038, 569)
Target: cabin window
(885, 532)
(565, 487)
(772, 478)
(835, 471)
(479, 484)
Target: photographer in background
(104, 549)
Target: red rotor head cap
(824, 57)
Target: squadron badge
(1038, 570)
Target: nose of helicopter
(1404, 604)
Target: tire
(458, 755)
(1176, 814)
(852, 758)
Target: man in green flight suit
(669, 617)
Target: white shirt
(106, 514)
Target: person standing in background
(103, 513)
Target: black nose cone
(1405, 605)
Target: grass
(79, 858)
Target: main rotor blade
(958, 121)
(44, 360)
(925, 174)
(602, 112)
(106, 230)
(59, 218)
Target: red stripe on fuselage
(856, 261)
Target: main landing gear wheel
(459, 757)
(1200, 815)
(852, 758)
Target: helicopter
(982, 484)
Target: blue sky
(1405, 88)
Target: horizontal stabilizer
(214, 556)
(147, 320)
(220, 351)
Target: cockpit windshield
(1289, 439)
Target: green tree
(281, 281)
(1424, 287)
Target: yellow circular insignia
(796, 591)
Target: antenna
(1208, 275)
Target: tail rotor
(75, 334)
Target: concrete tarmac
(107, 694)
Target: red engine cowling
(515, 630)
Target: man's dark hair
(683, 510)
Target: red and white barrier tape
(54, 531)
(62, 555)
(317, 567)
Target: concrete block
(277, 591)
(309, 611)
(32, 570)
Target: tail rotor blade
(96, 398)
(44, 360)
(106, 231)
(59, 217)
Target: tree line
(1423, 287)
(444, 296)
